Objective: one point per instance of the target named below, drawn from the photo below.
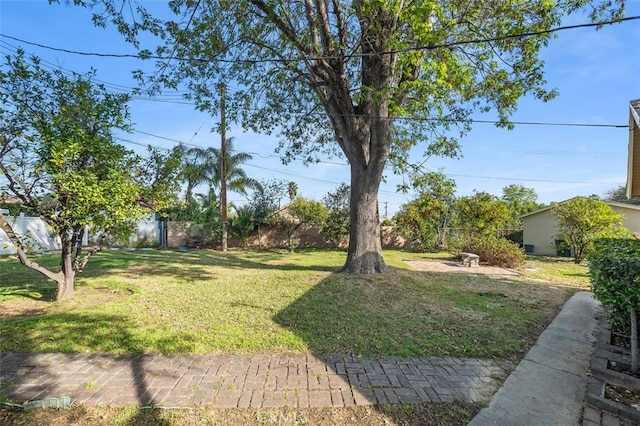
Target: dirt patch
(428, 414)
(90, 298)
(456, 266)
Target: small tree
(242, 224)
(264, 202)
(420, 219)
(581, 220)
(59, 158)
(302, 212)
(614, 270)
(426, 219)
(336, 227)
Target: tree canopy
(520, 200)
(582, 220)
(58, 157)
(426, 219)
(619, 195)
(301, 212)
(481, 213)
(372, 78)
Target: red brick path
(246, 381)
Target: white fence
(37, 236)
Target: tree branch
(22, 254)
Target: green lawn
(264, 302)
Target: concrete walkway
(241, 381)
(549, 384)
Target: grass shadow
(196, 265)
(408, 313)
(382, 331)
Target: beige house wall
(540, 229)
(631, 217)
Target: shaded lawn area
(264, 302)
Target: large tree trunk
(365, 248)
(364, 134)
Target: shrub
(494, 251)
(614, 269)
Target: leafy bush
(494, 251)
(614, 269)
(582, 220)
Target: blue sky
(596, 72)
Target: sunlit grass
(266, 302)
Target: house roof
(634, 107)
(611, 203)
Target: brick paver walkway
(246, 381)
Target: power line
(115, 87)
(355, 55)
(556, 153)
(527, 180)
(386, 192)
(120, 88)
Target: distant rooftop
(635, 110)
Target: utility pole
(223, 168)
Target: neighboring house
(540, 227)
(633, 167)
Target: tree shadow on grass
(362, 315)
(381, 334)
(198, 265)
(96, 377)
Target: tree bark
(65, 282)
(58, 277)
(365, 248)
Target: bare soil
(628, 397)
(32, 306)
(441, 414)
(456, 266)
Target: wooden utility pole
(223, 168)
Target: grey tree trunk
(66, 280)
(365, 248)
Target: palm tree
(292, 187)
(237, 179)
(242, 224)
(196, 167)
(202, 166)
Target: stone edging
(601, 375)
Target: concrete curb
(549, 384)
